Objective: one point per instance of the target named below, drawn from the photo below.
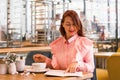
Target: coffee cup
(38, 66)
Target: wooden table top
(24, 49)
(41, 76)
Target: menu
(62, 73)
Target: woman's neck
(67, 37)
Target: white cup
(20, 65)
(3, 68)
(38, 66)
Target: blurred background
(36, 22)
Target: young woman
(72, 51)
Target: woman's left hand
(72, 67)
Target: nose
(71, 27)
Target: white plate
(29, 69)
(32, 70)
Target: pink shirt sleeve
(54, 62)
(84, 55)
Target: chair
(118, 50)
(94, 73)
(113, 66)
(29, 58)
(102, 74)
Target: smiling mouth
(71, 31)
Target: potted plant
(10, 60)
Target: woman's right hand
(39, 58)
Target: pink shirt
(76, 49)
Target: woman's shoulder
(84, 44)
(56, 44)
(57, 41)
(84, 40)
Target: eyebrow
(68, 22)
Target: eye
(68, 24)
(73, 24)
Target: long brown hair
(76, 21)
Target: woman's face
(69, 27)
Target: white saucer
(40, 70)
(30, 69)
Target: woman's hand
(72, 67)
(39, 58)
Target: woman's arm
(85, 56)
(42, 58)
